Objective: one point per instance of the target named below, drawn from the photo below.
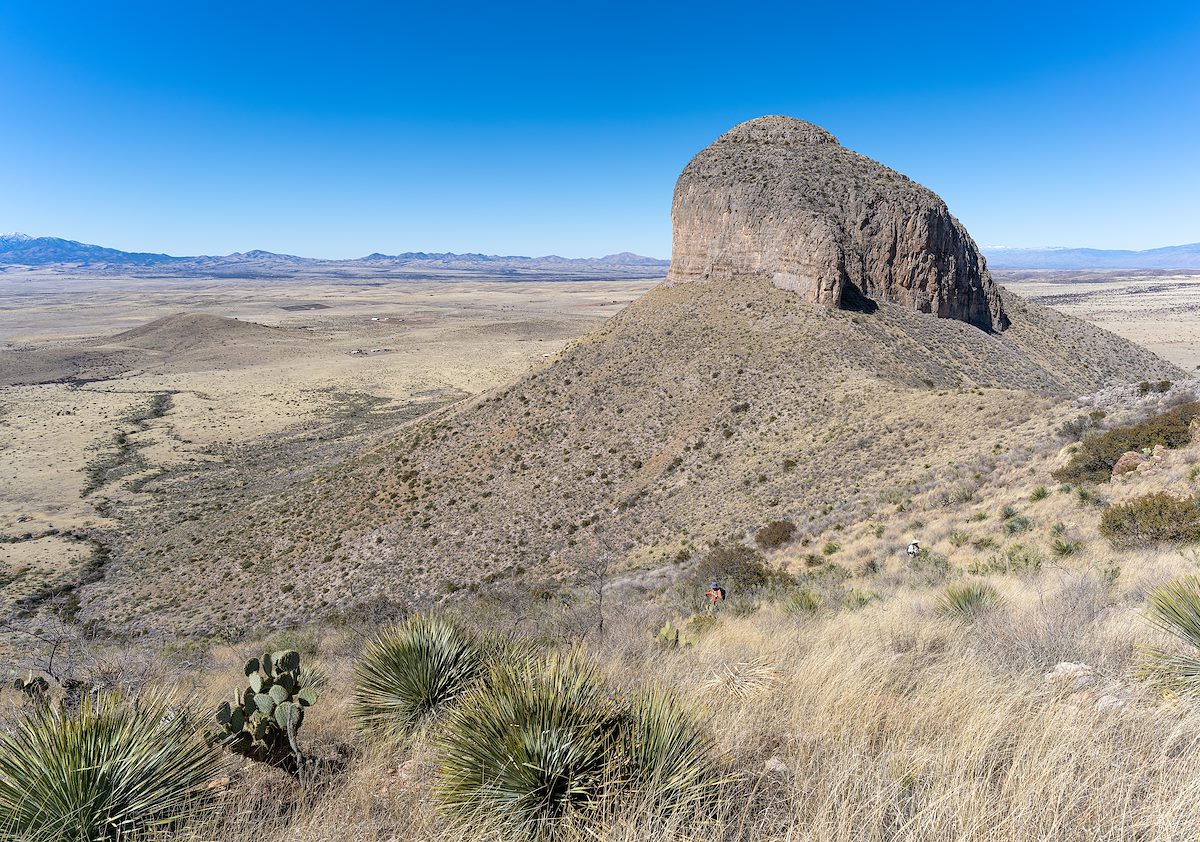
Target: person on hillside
(914, 549)
(715, 594)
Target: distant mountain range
(1168, 257)
(55, 252)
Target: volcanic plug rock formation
(714, 404)
(781, 199)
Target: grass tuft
(967, 600)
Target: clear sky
(338, 129)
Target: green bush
(1096, 456)
(738, 568)
(539, 746)
(1152, 518)
(800, 602)
(775, 534)
(967, 600)
(958, 538)
(1017, 558)
(115, 769)
(1063, 549)
(1016, 525)
(410, 674)
(1039, 493)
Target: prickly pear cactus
(262, 721)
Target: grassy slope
(661, 432)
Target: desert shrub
(930, 566)
(540, 746)
(1017, 558)
(739, 568)
(1063, 549)
(1096, 456)
(667, 758)
(1175, 609)
(116, 768)
(1152, 518)
(1076, 428)
(1008, 512)
(967, 600)
(775, 534)
(1039, 493)
(411, 673)
(1016, 525)
(958, 538)
(856, 599)
(801, 602)
(830, 548)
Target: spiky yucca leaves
(117, 768)
(967, 600)
(541, 746)
(411, 673)
(531, 747)
(1175, 609)
(669, 759)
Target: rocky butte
(716, 403)
(781, 199)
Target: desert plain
(108, 383)
(105, 383)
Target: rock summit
(780, 199)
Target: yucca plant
(532, 746)
(1175, 609)
(411, 673)
(669, 758)
(541, 747)
(114, 769)
(801, 602)
(967, 600)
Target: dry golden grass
(886, 723)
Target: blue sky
(335, 130)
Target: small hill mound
(188, 331)
(719, 401)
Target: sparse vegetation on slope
(1097, 455)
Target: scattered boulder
(1079, 685)
(780, 199)
(1129, 462)
(774, 766)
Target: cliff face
(781, 199)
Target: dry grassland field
(105, 382)
(1159, 310)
